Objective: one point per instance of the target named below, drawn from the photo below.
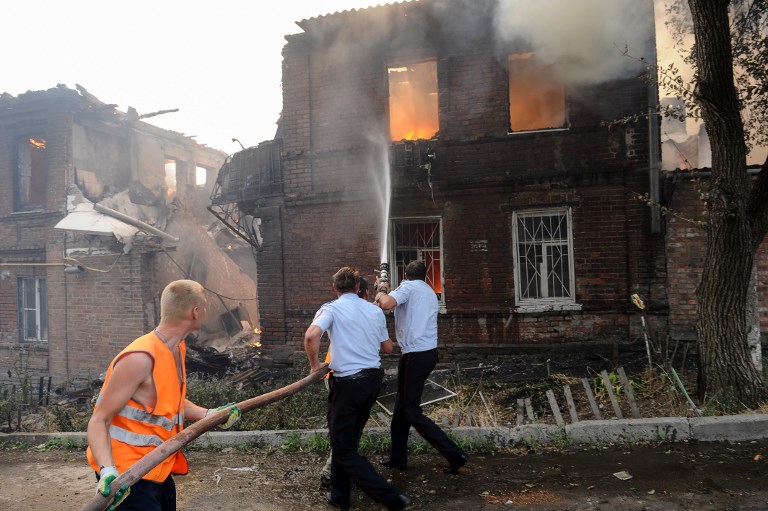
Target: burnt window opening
(170, 179)
(33, 309)
(543, 250)
(536, 95)
(419, 240)
(201, 176)
(31, 173)
(413, 100)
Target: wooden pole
(99, 502)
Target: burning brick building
(473, 136)
(98, 211)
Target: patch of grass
(59, 444)
(374, 445)
(11, 446)
(318, 443)
(562, 440)
(292, 443)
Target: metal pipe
(136, 223)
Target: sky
(218, 62)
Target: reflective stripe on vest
(136, 414)
(135, 439)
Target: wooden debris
(555, 409)
(609, 389)
(591, 398)
(628, 392)
(571, 404)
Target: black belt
(364, 373)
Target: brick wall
(334, 112)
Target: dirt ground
(684, 476)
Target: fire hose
(100, 502)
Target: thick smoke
(584, 39)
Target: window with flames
(419, 239)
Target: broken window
(31, 174)
(419, 240)
(536, 95)
(544, 256)
(33, 309)
(170, 179)
(413, 101)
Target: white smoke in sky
(584, 39)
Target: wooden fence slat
(520, 411)
(555, 409)
(628, 391)
(456, 418)
(591, 398)
(609, 390)
(529, 409)
(571, 404)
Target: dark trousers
(413, 369)
(349, 405)
(150, 496)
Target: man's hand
(232, 418)
(106, 476)
(382, 286)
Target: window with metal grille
(419, 239)
(543, 248)
(33, 309)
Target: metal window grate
(543, 249)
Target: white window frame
(394, 278)
(543, 302)
(39, 308)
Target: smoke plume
(584, 39)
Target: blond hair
(178, 298)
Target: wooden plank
(383, 418)
(444, 421)
(488, 409)
(628, 392)
(571, 404)
(456, 418)
(555, 409)
(470, 419)
(591, 398)
(609, 389)
(520, 411)
(529, 409)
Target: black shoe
(325, 482)
(455, 465)
(403, 501)
(335, 504)
(394, 464)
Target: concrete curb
(732, 428)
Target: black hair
(363, 288)
(416, 270)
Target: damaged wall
(94, 153)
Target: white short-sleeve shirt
(415, 316)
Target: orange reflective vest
(136, 430)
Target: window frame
(40, 308)
(406, 62)
(544, 303)
(393, 249)
(22, 201)
(510, 130)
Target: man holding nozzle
(358, 331)
(415, 304)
